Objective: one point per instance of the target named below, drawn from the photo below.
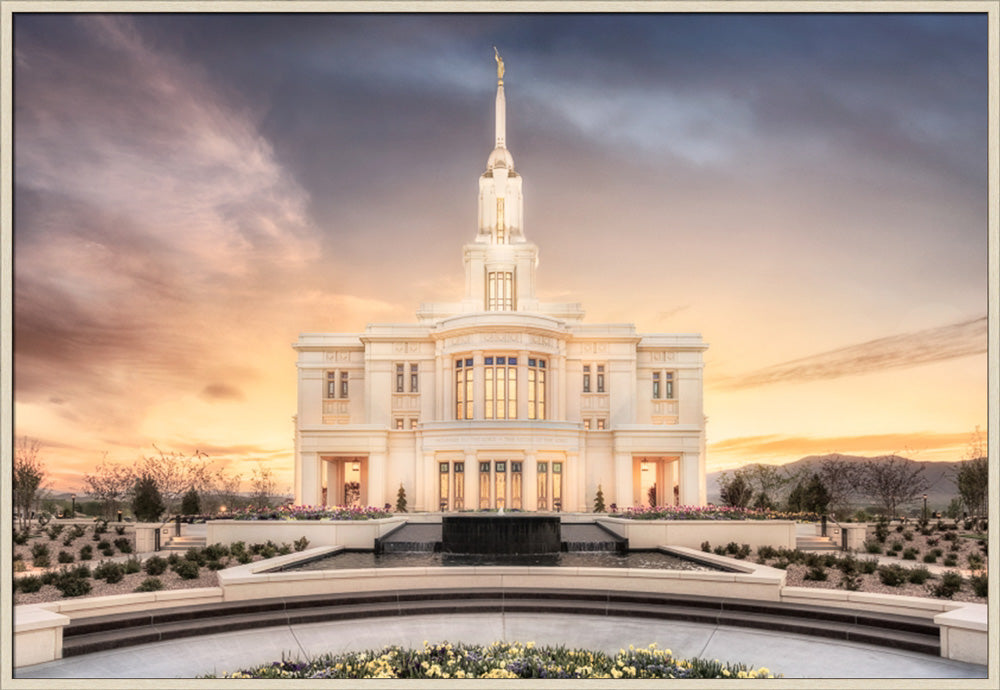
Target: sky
(192, 191)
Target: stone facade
(498, 399)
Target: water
(654, 560)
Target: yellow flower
(615, 673)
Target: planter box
(352, 534)
(650, 534)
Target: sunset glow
(808, 192)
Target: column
(440, 379)
(571, 497)
(376, 479)
(623, 481)
(308, 492)
(421, 501)
(471, 481)
(690, 484)
(583, 500)
(334, 485)
(478, 385)
(558, 386)
(522, 384)
(529, 479)
(665, 496)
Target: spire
(501, 123)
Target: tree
(401, 499)
(262, 487)
(174, 473)
(815, 497)
(29, 475)
(842, 479)
(599, 500)
(891, 481)
(736, 491)
(972, 477)
(109, 484)
(767, 482)
(147, 503)
(191, 503)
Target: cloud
(893, 352)
(795, 447)
(221, 391)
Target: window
(500, 291)
(557, 486)
(543, 485)
(500, 378)
(667, 391)
(515, 485)
(586, 378)
(399, 378)
(501, 224)
(536, 388)
(600, 378)
(414, 378)
(601, 424)
(484, 485)
(399, 422)
(443, 486)
(332, 390)
(586, 424)
(463, 388)
(459, 486)
(413, 424)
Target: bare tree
(225, 491)
(768, 483)
(735, 490)
(110, 484)
(892, 480)
(29, 475)
(843, 480)
(262, 486)
(972, 477)
(175, 473)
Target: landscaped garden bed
(500, 660)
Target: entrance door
(345, 481)
(654, 481)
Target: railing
(843, 531)
(159, 530)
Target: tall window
(459, 486)
(500, 291)
(332, 389)
(515, 485)
(536, 388)
(667, 389)
(500, 377)
(600, 378)
(443, 486)
(557, 486)
(586, 378)
(484, 485)
(501, 223)
(543, 485)
(400, 377)
(463, 388)
(414, 377)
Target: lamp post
(925, 507)
(72, 498)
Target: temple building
(499, 400)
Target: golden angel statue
(499, 63)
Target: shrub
(119, 530)
(38, 549)
(155, 565)
(103, 544)
(892, 575)
(899, 528)
(245, 557)
(975, 561)
(706, 547)
(77, 531)
(950, 561)
(215, 565)
(719, 551)
(850, 581)
(937, 552)
(301, 544)
(108, 552)
(918, 576)
(868, 566)
(214, 552)
(49, 577)
(150, 584)
(951, 582)
(68, 541)
(41, 561)
(881, 529)
(110, 572)
(896, 545)
(28, 584)
(934, 541)
(930, 557)
(237, 547)
(954, 546)
(66, 557)
(73, 586)
(781, 564)
(124, 544)
(20, 538)
(873, 547)
(132, 565)
(188, 570)
(100, 526)
(173, 559)
(949, 536)
(54, 531)
(196, 556)
(908, 535)
(764, 551)
(86, 552)
(910, 554)
(817, 573)
(286, 549)
(980, 584)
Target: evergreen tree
(796, 498)
(736, 491)
(147, 504)
(599, 500)
(815, 497)
(191, 503)
(401, 499)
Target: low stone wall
(351, 534)
(856, 533)
(649, 534)
(145, 535)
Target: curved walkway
(793, 656)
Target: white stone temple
(499, 400)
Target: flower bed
(709, 513)
(500, 660)
(306, 513)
